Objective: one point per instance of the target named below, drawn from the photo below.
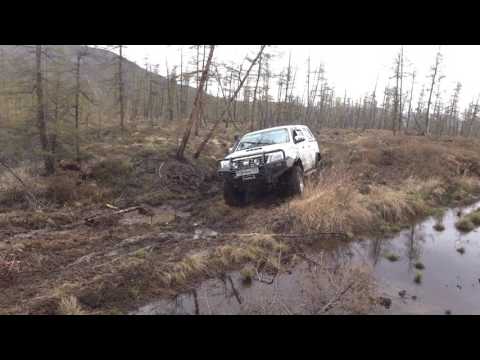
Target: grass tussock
(419, 265)
(188, 267)
(332, 205)
(392, 257)
(258, 249)
(418, 278)
(69, 306)
(464, 225)
(247, 273)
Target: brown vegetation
(118, 266)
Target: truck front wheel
(233, 196)
(296, 183)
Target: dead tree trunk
(77, 106)
(41, 120)
(121, 89)
(196, 106)
(410, 101)
(252, 123)
(434, 77)
(231, 100)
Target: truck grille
(249, 163)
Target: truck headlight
(276, 156)
(225, 165)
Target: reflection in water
(451, 281)
(376, 250)
(414, 248)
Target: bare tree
(254, 101)
(41, 120)
(452, 116)
(410, 100)
(400, 114)
(434, 77)
(196, 106)
(231, 100)
(121, 88)
(80, 54)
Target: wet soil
(450, 280)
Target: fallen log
(98, 219)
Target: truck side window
(294, 133)
(298, 132)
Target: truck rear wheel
(233, 196)
(296, 182)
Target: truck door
(311, 146)
(303, 150)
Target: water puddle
(450, 280)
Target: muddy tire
(318, 161)
(233, 196)
(296, 181)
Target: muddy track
(80, 255)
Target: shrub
(112, 172)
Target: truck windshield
(278, 136)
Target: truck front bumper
(267, 175)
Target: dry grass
(258, 249)
(335, 203)
(332, 205)
(188, 267)
(12, 191)
(69, 306)
(391, 206)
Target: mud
(450, 281)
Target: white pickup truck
(278, 156)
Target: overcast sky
(354, 68)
